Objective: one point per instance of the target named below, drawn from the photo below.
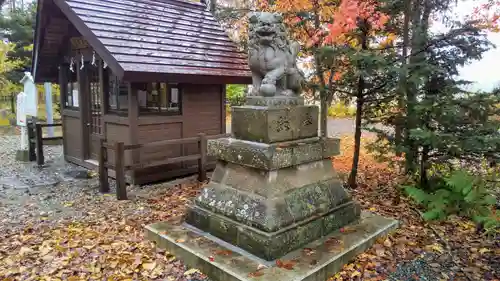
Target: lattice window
(118, 95)
(158, 97)
(71, 94)
(95, 100)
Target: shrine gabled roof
(177, 37)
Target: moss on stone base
(279, 210)
(272, 245)
(273, 156)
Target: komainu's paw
(268, 90)
(288, 93)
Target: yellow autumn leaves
(93, 252)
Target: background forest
(383, 57)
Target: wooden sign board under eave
(78, 43)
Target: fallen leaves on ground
(474, 257)
(108, 243)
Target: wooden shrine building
(136, 71)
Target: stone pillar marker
(31, 102)
(22, 154)
(274, 190)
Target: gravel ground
(28, 191)
(51, 193)
(429, 267)
(44, 197)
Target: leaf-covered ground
(90, 236)
(452, 250)
(106, 242)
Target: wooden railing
(120, 168)
(36, 139)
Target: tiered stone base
(273, 245)
(273, 156)
(270, 199)
(274, 188)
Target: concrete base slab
(53, 142)
(316, 261)
(26, 182)
(22, 155)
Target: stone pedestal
(274, 188)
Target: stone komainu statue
(272, 57)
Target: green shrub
(490, 223)
(57, 108)
(458, 193)
(341, 110)
(235, 95)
